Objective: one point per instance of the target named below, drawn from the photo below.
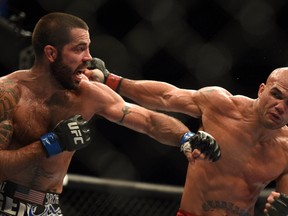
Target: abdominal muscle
(209, 193)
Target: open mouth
(77, 76)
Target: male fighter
(44, 115)
(252, 134)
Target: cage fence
(92, 196)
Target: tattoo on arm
(9, 97)
(6, 131)
(125, 111)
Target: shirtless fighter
(252, 134)
(44, 118)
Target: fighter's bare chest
(254, 161)
(35, 116)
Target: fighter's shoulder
(8, 81)
(284, 132)
(215, 92)
(14, 78)
(9, 87)
(219, 97)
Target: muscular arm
(164, 96)
(161, 127)
(160, 96)
(13, 161)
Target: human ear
(261, 89)
(50, 52)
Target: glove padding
(279, 207)
(97, 63)
(110, 79)
(205, 143)
(68, 135)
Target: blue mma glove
(69, 135)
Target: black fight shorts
(21, 201)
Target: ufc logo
(74, 129)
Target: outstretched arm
(161, 127)
(152, 94)
(164, 128)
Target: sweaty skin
(33, 112)
(252, 134)
(34, 101)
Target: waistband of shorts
(26, 194)
(181, 212)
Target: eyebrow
(278, 91)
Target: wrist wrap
(113, 81)
(184, 144)
(51, 144)
(186, 137)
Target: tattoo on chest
(227, 206)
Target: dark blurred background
(189, 43)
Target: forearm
(164, 133)
(161, 127)
(151, 94)
(13, 162)
(170, 131)
(155, 95)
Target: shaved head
(278, 75)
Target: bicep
(110, 105)
(166, 97)
(183, 101)
(156, 95)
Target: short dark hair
(54, 29)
